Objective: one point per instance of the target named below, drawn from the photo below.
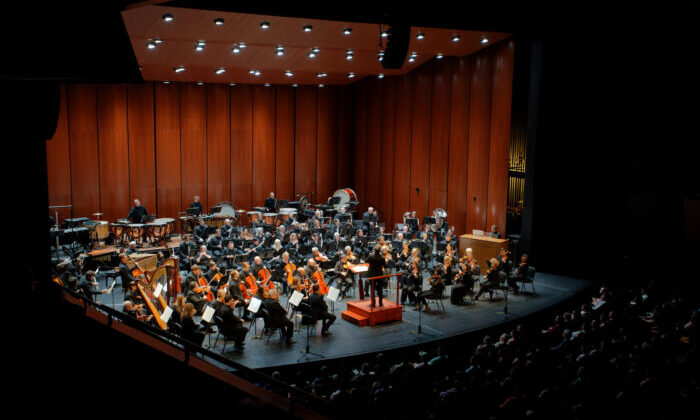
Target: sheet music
(295, 300)
(359, 268)
(159, 289)
(333, 294)
(167, 313)
(208, 314)
(254, 305)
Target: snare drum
(253, 216)
(270, 219)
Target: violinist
(446, 271)
(520, 273)
(310, 267)
(414, 260)
(192, 276)
(318, 256)
(137, 311)
(239, 292)
(231, 325)
(289, 269)
(344, 277)
(491, 278)
(214, 275)
(504, 261)
(435, 291)
(194, 296)
(469, 258)
(351, 257)
(300, 282)
(462, 284)
(405, 252)
(277, 316)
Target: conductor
(377, 263)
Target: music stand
(412, 223)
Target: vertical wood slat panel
(305, 142)
(459, 144)
(241, 146)
(84, 160)
(284, 143)
(500, 135)
(420, 140)
(479, 133)
(372, 147)
(58, 163)
(360, 135)
(402, 147)
(346, 145)
(142, 159)
(440, 135)
(193, 143)
(386, 205)
(167, 132)
(263, 143)
(218, 144)
(327, 143)
(112, 135)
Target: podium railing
(372, 279)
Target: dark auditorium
(485, 210)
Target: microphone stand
(306, 353)
(419, 332)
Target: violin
(435, 280)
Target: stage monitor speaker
(397, 46)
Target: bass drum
(346, 196)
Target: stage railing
(371, 286)
(296, 401)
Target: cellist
(320, 279)
(289, 269)
(249, 279)
(263, 273)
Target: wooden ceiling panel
(189, 26)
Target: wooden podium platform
(362, 314)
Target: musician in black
(202, 257)
(227, 230)
(138, 213)
(343, 277)
(494, 233)
(491, 283)
(231, 325)
(196, 205)
(520, 273)
(360, 243)
(435, 291)
(505, 264)
(190, 330)
(319, 310)
(370, 219)
(215, 244)
(229, 254)
(410, 285)
(131, 249)
(194, 297)
(88, 285)
(192, 276)
(277, 316)
(335, 228)
(377, 264)
(183, 253)
(125, 272)
(271, 203)
(462, 284)
(201, 232)
(133, 294)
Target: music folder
(208, 314)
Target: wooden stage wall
(165, 143)
(437, 137)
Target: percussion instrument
(346, 195)
(135, 231)
(440, 216)
(300, 205)
(98, 215)
(253, 216)
(160, 228)
(100, 231)
(225, 210)
(285, 213)
(270, 219)
(75, 222)
(118, 230)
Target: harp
(147, 287)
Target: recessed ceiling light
(166, 82)
(267, 85)
(316, 50)
(349, 55)
(241, 45)
(439, 56)
(235, 49)
(307, 28)
(257, 72)
(218, 22)
(484, 40)
(411, 59)
(351, 75)
(380, 56)
(251, 71)
(420, 35)
(321, 85)
(279, 51)
(265, 25)
(151, 45)
(456, 38)
(295, 85)
(288, 73)
(158, 41)
(385, 34)
(179, 69)
(200, 83)
(232, 84)
(380, 76)
(200, 46)
(167, 17)
(220, 70)
(312, 54)
(347, 31)
(322, 74)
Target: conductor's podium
(361, 313)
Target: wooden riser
(360, 310)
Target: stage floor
(348, 339)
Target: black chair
(219, 324)
(530, 278)
(268, 329)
